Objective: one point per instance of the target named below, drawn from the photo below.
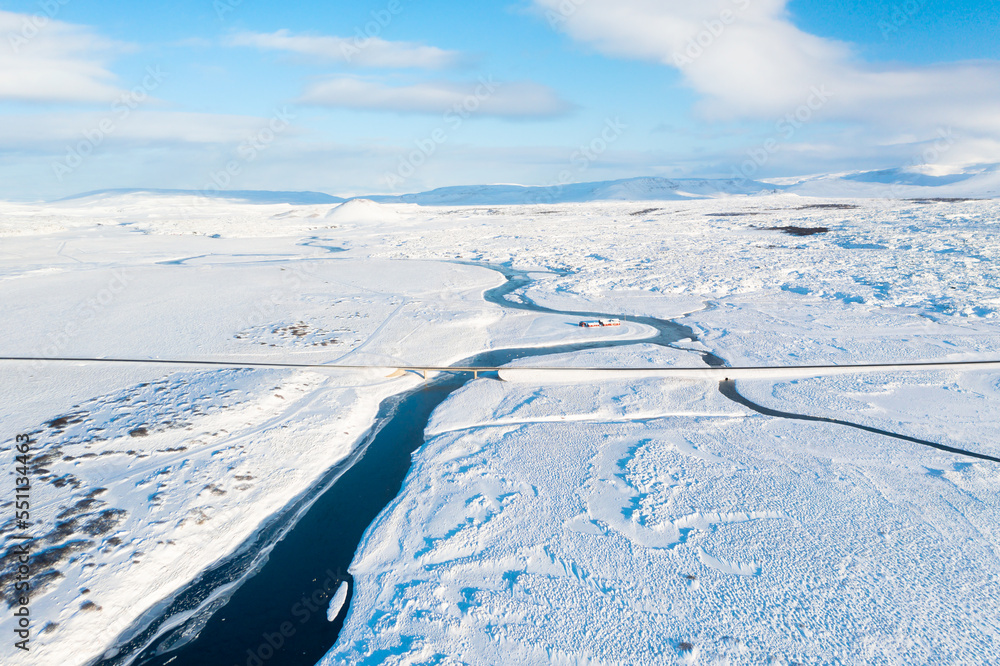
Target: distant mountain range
(249, 196)
(982, 182)
(642, 189)
(902, 183)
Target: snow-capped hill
(471, 195)
(638, 189)
(981, 182)
(362, 210)
(913, 182)
(243, 196)
(683, 188)
(905, 176)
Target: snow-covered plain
(639, 521)
(659, 523)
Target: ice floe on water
(337, 601)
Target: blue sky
(204, 94)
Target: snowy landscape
(573, 332)
(549, 516)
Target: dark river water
(268, 602)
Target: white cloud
(61, 153)
(367, 52)
(748, 60)
(45, 60)
(484, 97)
(55, 131)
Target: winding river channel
(267, 603)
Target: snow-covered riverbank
(144, 476)
(651, 521)
(670, 513)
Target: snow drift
(362, 210)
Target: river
(268, 602)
